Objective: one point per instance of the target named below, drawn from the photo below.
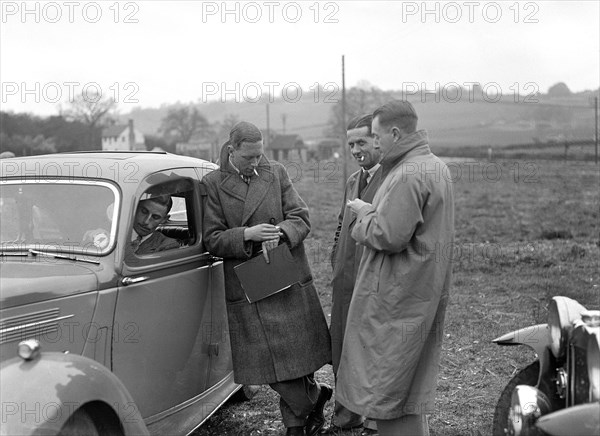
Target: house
(122, 137)
(286, 147)
(327, 147)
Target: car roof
(97, 164)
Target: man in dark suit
(149, 215)
(346, 253)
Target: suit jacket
(345, 259)
(157, 242)
(284, 336)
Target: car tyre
(79, 424)
(526, 376)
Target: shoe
(316, 420)
(295, 431)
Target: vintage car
(94, 338)
(559, 393)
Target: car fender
(535, 337)
(39, 395)
(583, 420)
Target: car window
(174, 191)
(70, 216)
(179, 210)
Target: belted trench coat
(284, 336)
(393, 337)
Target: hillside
(464, 122)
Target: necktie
(135, 244)
(362, 181)
(246, 179)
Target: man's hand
(268, 234)
(262, 232)
(356, 204)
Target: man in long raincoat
(389, 364)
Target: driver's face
(149, 216)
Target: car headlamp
(527, 405)
(561, 314)
(29, 349)
(593, 365)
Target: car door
(161, 338)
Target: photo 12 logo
(254, 92)
(54, 92)
(470, 12)
(489, 92)
(270, 12)
(69, 12)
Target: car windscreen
(62, 216)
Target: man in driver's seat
(148, 216)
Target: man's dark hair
(163, 200)
(244, 132)
(398, 113)
(361, 121)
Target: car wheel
(79, 424)
(245, 393)
(526, 376)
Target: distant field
(526, 230)
(553, 151)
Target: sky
(150, 53)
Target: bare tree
(183, 123)
(93, 111)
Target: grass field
(525, 231)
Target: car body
(135, 344)
(559, 393)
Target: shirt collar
(373, 169)
(135, 235)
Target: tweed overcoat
(284, 336)
(393, 338)
(346, 255)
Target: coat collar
(252, 194)
(416, 143)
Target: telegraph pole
(343, 127)
(268, 136)
(596, 120)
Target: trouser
(297, 399)
(408, 425)
(344, 418)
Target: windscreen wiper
(61, 256)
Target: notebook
(260, 279)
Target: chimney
(131, 135)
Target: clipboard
(260, 279)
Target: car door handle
(131, 280)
